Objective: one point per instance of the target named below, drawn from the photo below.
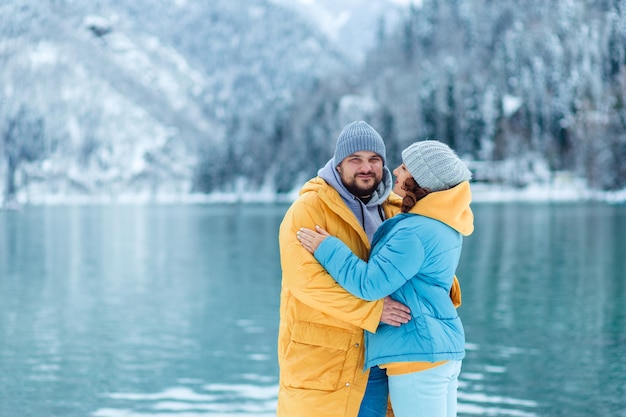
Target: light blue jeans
(374, 402)
(429, 393)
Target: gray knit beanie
(358, 136)
(434, 165)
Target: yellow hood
(451, 207)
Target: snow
(123, 110)
(407, 2)
(511, 104)
(43, 54)
(558, 191)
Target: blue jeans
(429, 393)
(374, 402)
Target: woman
(414, 256)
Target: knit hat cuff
(356, 137)
(435, 166)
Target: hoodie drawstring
(381, 213)
(362, 214)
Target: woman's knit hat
(434, 165)
(358, 136)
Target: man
(320, 342)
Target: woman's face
(401, 174)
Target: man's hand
(394, 313)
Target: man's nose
(366, 167)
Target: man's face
(361, 172)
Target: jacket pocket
(315, 356)
(418, 334)
(432, 335)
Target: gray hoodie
(370, 215)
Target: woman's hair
(414, 193)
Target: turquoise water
(172, 311)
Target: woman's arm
(392, 265)
(311, 241)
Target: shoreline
(481, 193)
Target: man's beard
(360, 192)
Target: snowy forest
(174, 98)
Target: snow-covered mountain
(127, 98)
(176, 98)
(353, 25)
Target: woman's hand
(311, 239)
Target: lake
(172, 311)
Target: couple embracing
(368, 320)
